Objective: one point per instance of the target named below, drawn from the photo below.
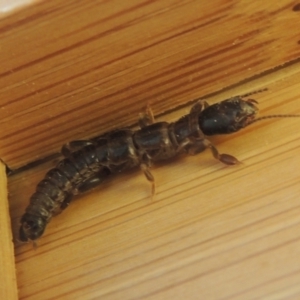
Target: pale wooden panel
(8, 286)
(212, 231)
(12, 6)
(75, 69)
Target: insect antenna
(274, 116)
(254, 92)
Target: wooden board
(212, 231)
(8, 287)
(72, 70)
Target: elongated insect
(88, 163)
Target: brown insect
(87, 163)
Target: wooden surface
(76, 70)
(8, 287)
(212, 231)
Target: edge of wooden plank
(8, 279)
(81, 76)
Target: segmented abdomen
(90, 165)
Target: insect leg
(85, 186)
(146, 118)
(145, 168)
(66, 202)
(199, 106)
(226, 159)
(91, 183)
(70, 147)
(197, 145)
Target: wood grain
(8, 287)
(212, 231)
(74, 70)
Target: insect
(87, 163)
